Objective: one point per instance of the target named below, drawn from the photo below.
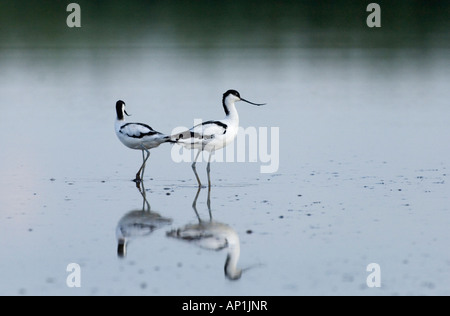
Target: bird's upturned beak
(257, 104)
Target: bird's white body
(137, 136)
(213, 135)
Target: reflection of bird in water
(212, 235)
(138, 223)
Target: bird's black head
(233, 92)
(120, 110)
(232, 96)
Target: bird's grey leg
(145, 162)
(194, 168)
(140, 173)
(208, 170)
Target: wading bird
(137, 136)
(213, 135)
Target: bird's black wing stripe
(151, 131)
(225, 126)
(191, 134)
(141, 135)
(141, 124)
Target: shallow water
(362, 178)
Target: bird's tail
(170, 139)
(189, 137)
(175, 138)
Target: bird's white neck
(231, 112)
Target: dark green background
(209, 24)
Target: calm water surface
(362, 178)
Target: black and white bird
(212, 235)
(213, 135)
(138, 223)
(137, 136)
